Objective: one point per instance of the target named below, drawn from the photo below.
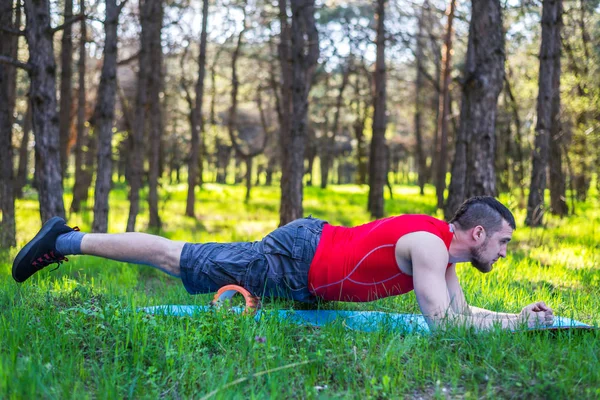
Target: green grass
(69, 334)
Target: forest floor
(69, 334)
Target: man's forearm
(480, 321)
(482, 312)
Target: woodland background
(477, 98)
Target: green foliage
(72, 333)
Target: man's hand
(537, 314)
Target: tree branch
(121, 5)
(128, 59)
(68, 22)
(14, 62)
(12, 31)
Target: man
(309, 259)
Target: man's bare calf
(139, 248)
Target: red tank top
(359, 263)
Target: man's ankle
(69, 243)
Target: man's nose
(503, 252)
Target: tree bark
(558, 194)
(377, 162)
(66, 73)
(473, 169)
(136, 167)
(580, 146)
(358, 126)
(44, 105)
(549, 49)
(329, 142)
(196, 118)
(155, 83)
(7, 102)
(519, 167)
(83, 176)
(298, 52)
(104, 118)
(444, 106)
(21, 178)
(419, 151)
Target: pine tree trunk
(473, 169)
(249, 162)
(519, 167)
(195, 161)
(359, 127)
(155, 83)
(549, 49)
(104, 118)
(444, 106)
(327, 159)
(136, 158)
(7, 101)
(80, 189)
(377, 162)
(44, 105)
(558, 194)
(483, 84)
(419, 152)
(66, 73)
(21, 178)
(298, 52)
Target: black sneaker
(41, 250)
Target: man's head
(488, 225)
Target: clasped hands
(537, 314)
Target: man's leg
(56, 240)
(139, 248)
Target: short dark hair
(485, 211)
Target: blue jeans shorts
(276, 266)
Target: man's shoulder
(422, 244)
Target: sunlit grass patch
(73, 333)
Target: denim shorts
(276, 266)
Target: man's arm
(460, 306)
(459, 303)
(438, 304)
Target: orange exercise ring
(228, 291)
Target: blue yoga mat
(366, 321)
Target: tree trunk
(21, 178)
(66, 73)
(503, 150)
(298, 53)
(483, 84)
(7, 102)
(104, 118)
(549, 49)
(196, 118)
(444, 106)
(581, 146)
(519, 167)
(82, 175)
(558, 194)
(473, 172)
(43, 99)
(136, 167)
(329, 146)
(155, 83)
(377, 161)
(359, 127)
(249, 162)
(419, 152)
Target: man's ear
(478, 233)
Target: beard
(478, 260)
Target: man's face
(483, 256)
